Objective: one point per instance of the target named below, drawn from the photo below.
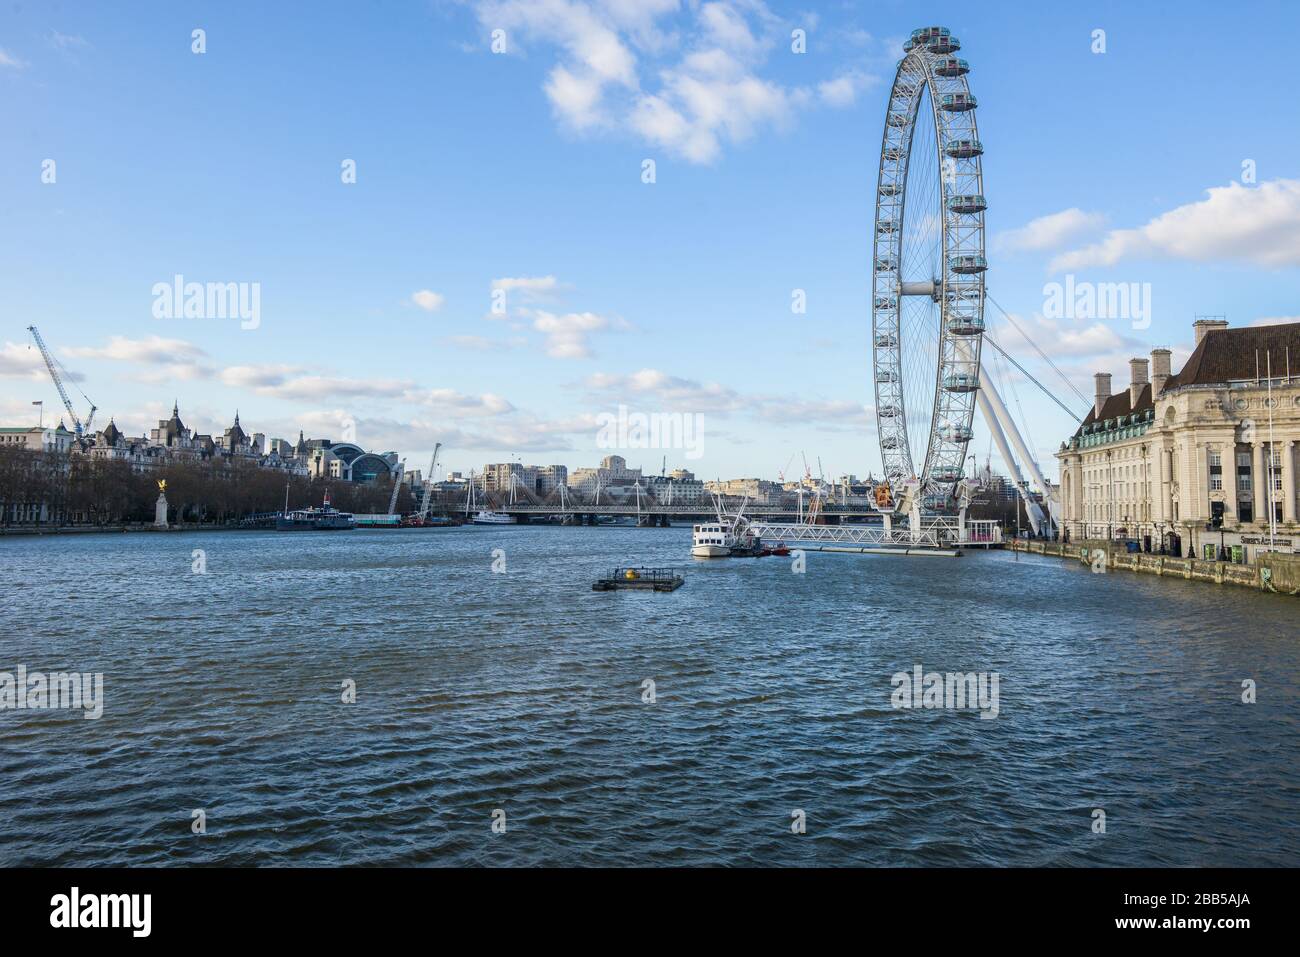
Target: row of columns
(1262, 484)
(1163, 479)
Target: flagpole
(1272, 511)
(40, 422)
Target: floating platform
(644, 579)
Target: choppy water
(522, 691)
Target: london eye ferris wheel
(928, 269)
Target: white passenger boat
(729, 535)
(712, 540)
(494, 518)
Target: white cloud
(9, 60)
(286, 382)
(639, 20)
(428, 300)
(21, 362)
(256, 377)
(152, 350)
(319, 387)
(575, 97)
(173, 372)
(66, 41)
(1051, 231)
(451, 401)
(519, 434)
(289, 382)
(567, 335)
(674, 392)
(727, 27)
(596, 56)
(799, 410)
(1259, 225)
(843, 90)
(484, 344)
(711, 98)
(529, 285)
(1276, 321)
(1062, 338)
(692, 96)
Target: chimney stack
(1137, 377)
(1208, 324)
(1159, 371)
(1102, 394)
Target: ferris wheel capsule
(967, 265)
(967, 203)
(963, 325)
(963, 149)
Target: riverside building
(1201, 462)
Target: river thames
(519, 696)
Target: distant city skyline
(441, 243)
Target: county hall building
(1199, 463)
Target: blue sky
(474, 167)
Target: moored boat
(729, 536)
(323, 519)
(494, 518)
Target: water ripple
(522, 693)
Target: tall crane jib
(397, 486)
(79, 428)
(428, 484)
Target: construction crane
(428, 486)
(79, 428)
(397, 486)
(781, 474)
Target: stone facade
(1202, 462)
